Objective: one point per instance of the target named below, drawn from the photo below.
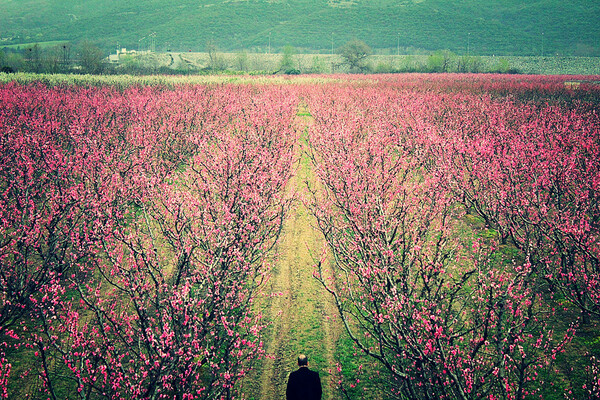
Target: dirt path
(303, 316)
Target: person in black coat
(303, 384)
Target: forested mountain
(485, 27)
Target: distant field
(466, 26)
(327, 63)
(524, 65)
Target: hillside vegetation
(493, 27)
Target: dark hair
(302, 360)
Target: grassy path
(302, 315)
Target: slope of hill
(501, 27)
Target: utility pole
(542, 44)
(152, 38)
(66, 54)
(468, 43)
(331, 43)
(398, 45)
(269, 51)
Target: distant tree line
(354, 57)
(86, 58)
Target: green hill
(485, 27)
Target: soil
(302, 314)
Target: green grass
(362, 377)
(500, 27)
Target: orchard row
(135, 231)
(454, 311)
